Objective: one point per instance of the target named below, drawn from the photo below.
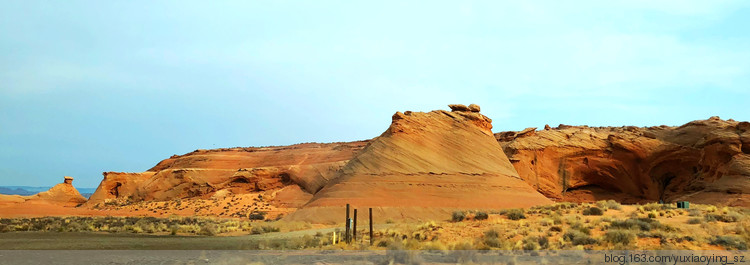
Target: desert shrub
(694, 221)
(435, 245)
(664, 237)
(619, 236)
(39, 225)
(572, 219)
(557, 219)
(462, 246)
(534, 243)
(458, 216)
(651, 215)
(609, 204)
(278, 217)
(711, 217)
(543, 242)
(657, 206)
(593, 211)
(730, 242)
(384, 243)
(173, 229)
(733, 216)
(257, 216)
(729, 217)
(546, 222)
(133, 228)
(190, 229)
(269, 229)
(208, 230)
(560, 206)
(246, 226)
(281, 244)
(644, 224)
(113, 229)
(292, 226)
(481, 216)
(493, 242)
(530, 243)
(576, 237)
(580, 227)
(148, 228)
(428, 226)
(491, 239)
(515, 214)
(555, 228)
(491, 233)
(309, 241)
(687, 238)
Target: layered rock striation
(203, 173)
(704, 161)
(424, 166)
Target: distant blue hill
(27, 190)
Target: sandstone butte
(426, 164)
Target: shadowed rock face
(203, 173)
(424, 166)
(706, 161)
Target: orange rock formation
(206, 173)
(63, 194)
(706, 161)
(424, 166)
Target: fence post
(354, 230)
(347, 224)
(370, 226)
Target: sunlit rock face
(424, 166)
(705, 161)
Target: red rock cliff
(706, 161)
(202, 173)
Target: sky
(94, 86)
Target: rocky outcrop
(424, 166)
(63, 194)
(118, 185)
(428, 164)
(706, 161)
(203, 173)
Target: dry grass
(564, 226)
(138, 225)
(551, 227)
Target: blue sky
(93, 86)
